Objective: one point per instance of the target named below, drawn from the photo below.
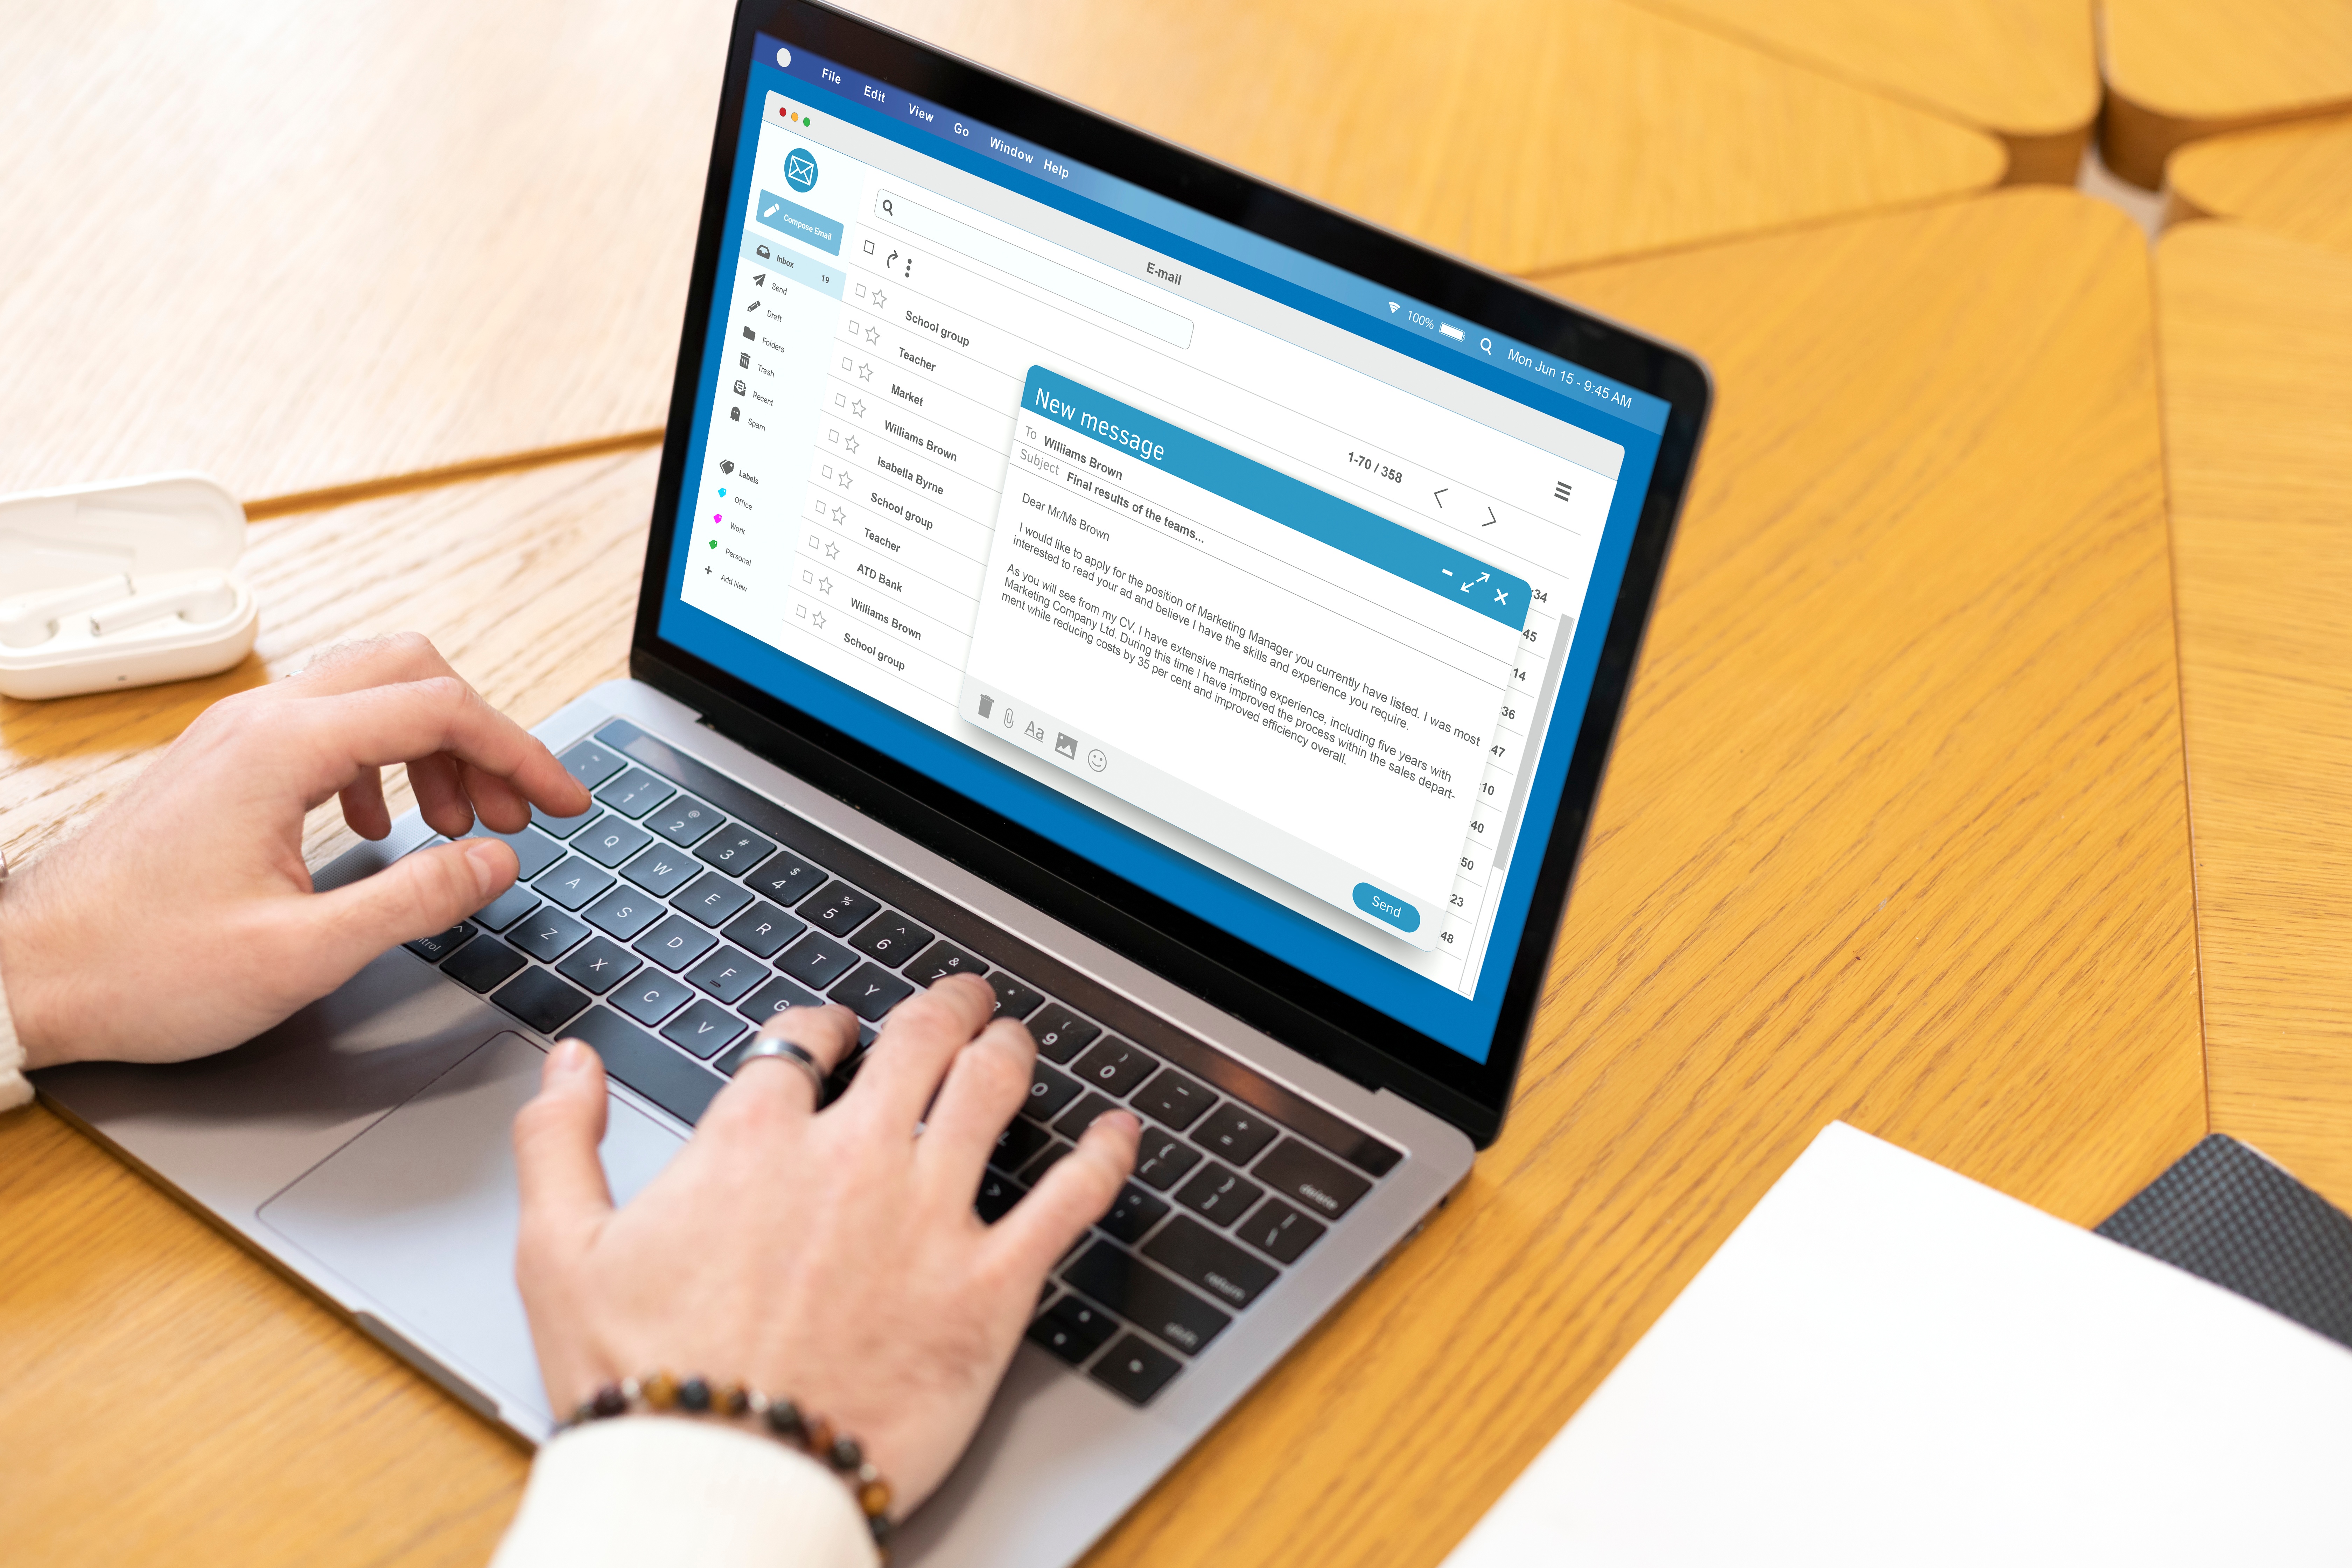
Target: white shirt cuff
(642, 1490)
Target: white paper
(1887, 1363)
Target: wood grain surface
(2295, 180)
(2022, 70)
(170, 1398)
(1895, 833)
(2179, 69)
(2257, 347)
(298, 245)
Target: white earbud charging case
(120, 584)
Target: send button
(1387, 907)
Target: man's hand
(834, 1258)
(182, 920)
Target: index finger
(379, 725)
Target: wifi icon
(1392, 307)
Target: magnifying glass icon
(887, 210)
(1487, 344)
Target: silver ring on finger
(769, 1046)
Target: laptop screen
(1254, 583)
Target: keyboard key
(611, 841)
(1017, 1146)
(775, 996)
(1046, 1159)
(1133, 1215)
(1060, 1032)
(507, 907)
(889, 939)
(1115, 1067)
(1223, 1196)
(548, 935)
(816, 962)
(591, 764)
(1163, 1159)
(1014, 1000)
(1108, 1276)
(998, 1194)
(941, 960)
(1311, 1178)
(1235, 1132)
(704, 1028)
(624, 912)
(534, 852)
(1193, 1252)
(713, 898)
(635, 793)
(762, 929)
(661, 870)
(479, 965)
(728, 975)
(651, 997)
(1174, 1099)
(1049, 1090)
(735, 850)
(1072, 1123)
(1134, 1370)
(573, 883)
(564, 827)
(646, 1065)
(599, 965)
(686, 821)
(839, 909)
(1279, 1231)
(785, 878)
(676, 943)
(434, 949)
(871, 992)
(1071, 1330)
(541, 1000)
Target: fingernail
(1134, 1124)
(569, 1056)
(489, 864)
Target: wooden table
(2295, 180)
(2021, 70)
(338, 245)
(2257, 341)
(2181, 70)
(1895, 833)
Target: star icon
(817, 620)
(866, 372)
(839, 515)
(881, 301)
(858, 408)
(831, 551)
(873, 334)
(824, 584)
(843, 480)
(850, 445)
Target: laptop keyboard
(666, 924)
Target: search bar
(1028, 266)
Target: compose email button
(1387, 907)
(811, 228)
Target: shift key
(1149, 1300)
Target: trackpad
(419, 1213)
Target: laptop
(1076, 563)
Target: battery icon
(1449, 331)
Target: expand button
(1387, 907)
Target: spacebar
(663, 1076)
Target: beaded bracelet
(781, 1418)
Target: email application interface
(1141, 536)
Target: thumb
(418, 895)
(555, 1137)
